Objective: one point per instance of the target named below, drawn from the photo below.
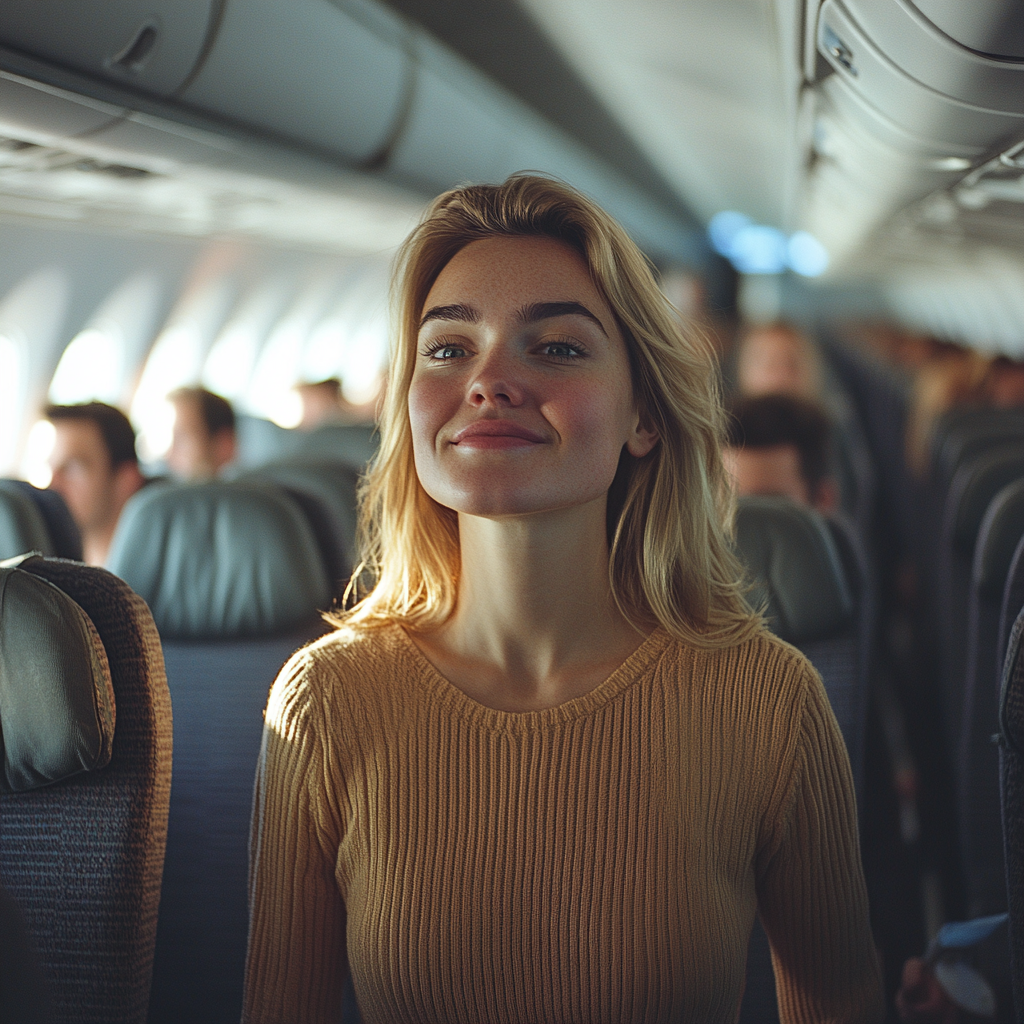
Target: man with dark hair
(204, 441)
(780, 445)
(95, 469)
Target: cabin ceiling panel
(704, 87)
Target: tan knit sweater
(599, 861)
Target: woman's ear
(642, 438)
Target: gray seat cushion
(795, 569)
(22, 527)
(219, 560)
(56, 696)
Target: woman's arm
(296, 961)
(811, 893)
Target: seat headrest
(56, 695)
(1001, 531)
(218, 560)
(795, 569)
(22, 527)
(974, 487)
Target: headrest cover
(219, 560)
(1011, 696)
(56, 696)
(22, 527)
(1001, 531)
(795, 569)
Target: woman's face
(521, 399)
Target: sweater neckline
(446, 694)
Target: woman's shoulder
(344, 663)
(761, 671)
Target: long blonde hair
(670, 512)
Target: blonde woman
(551, 766)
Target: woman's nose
(496, 382)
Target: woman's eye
(443, 352)
(563, 350)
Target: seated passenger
(323, 402)
(777, 359)
(95, 470)
(551, 766)
(779, 445)
(203, 442)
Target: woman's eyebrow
(546, 310)
(458, 311)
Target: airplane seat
(22, 526)
(797, 572)
(974, 486)
(977, 763)
(795, 561)
(1013, 596)
(1011, 779)
(86, 723)
(236, 582)
(259, 441)
(965, 432)
(64, 532)
(326, 493)
(353, 444)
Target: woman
(551, 766)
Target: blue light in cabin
(806, 255)
(724, 228)
(759, 249)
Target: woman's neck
(535, 623)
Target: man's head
(776, 359)
(203, 442)
(779, 445)
(95, 469)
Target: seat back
(235, 580)
(795, 563)
(1013, 597)
(261, 442)
(974, 486)
(797, 573)
(22, 526)
(63, 531)
(1011, 774)
(977, 760)
(84, 819)
(326, 492)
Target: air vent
(133, 57)
(19, 155)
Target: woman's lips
(496, 434)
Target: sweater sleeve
(296, 963)
(811, 893)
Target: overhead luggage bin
(146, 44)
(309, 71)
(993, 27)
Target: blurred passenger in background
(323, 402)
(203, 443)
(776, 359)
(780, 445)
(95, 469)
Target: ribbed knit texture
(599, 861)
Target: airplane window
(11, 391)
(229, 364)
(175, 360)
(351, 341)
(90, 368)
(35, 466)
(93, 365)
(277, 370)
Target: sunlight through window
(35, 466)
(90, 368)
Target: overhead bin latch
(134, 56)
(838, 50)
